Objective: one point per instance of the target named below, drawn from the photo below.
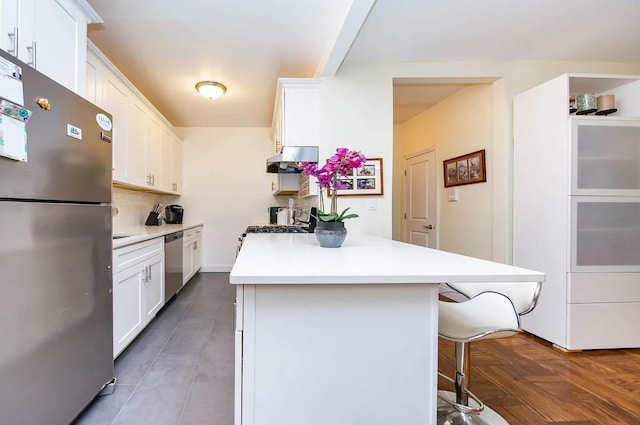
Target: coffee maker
(173, 214)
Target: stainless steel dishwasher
(172, 264)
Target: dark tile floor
(179, 371)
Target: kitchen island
(343, 336)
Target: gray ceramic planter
(330, 234)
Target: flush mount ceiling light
(211, 89)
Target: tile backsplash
(132, 207)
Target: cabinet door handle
(235, 312)
(33, 51)
(14, 35)
(148, 273)
(153, 179)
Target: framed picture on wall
(366, 181)
(465, 169)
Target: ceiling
(164, 48)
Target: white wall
(460, 124)
(226, 187)
(358, 113)
(351, 104)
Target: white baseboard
(220, 268)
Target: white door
(420, 191)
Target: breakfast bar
(343, 336)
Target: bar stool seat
(490, 310)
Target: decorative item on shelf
(586, 104)
(606, 104)
(572, 104)
(330, 231)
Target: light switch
(372, 205)
(452, 194)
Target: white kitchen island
(343, 336)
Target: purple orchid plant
(341, 164)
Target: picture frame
(465, 169)
(365, 181)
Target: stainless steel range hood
(287, 161)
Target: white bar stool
(490, 310)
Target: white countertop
(142, 233)
(283, 258)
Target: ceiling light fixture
(210, 89)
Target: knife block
(153, 219)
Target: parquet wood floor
(529, 382)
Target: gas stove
(270, 229)
(275, 229)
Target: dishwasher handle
(173, 236)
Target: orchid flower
(339, 165)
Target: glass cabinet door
(605, 234)
(606, 157)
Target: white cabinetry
(296, 122)
(147, 153)
(192, 253)
(296, 116)
(137, 141)
(138, 289)
(284, 184)
(50, 36)
(577, 211)
(171, 165)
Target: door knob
(428, 227)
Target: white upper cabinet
(296, 115)
(147, 153)
(154, 153)
(50, 36)
(137, 140)
(171, 162)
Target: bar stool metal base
(449, 415)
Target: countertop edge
(145, 233)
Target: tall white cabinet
(577, 211)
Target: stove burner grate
(275, 229)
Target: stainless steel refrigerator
(55, 258)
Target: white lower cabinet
(191, 253)
(127, 308)
(153, 287)
(138, 289)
